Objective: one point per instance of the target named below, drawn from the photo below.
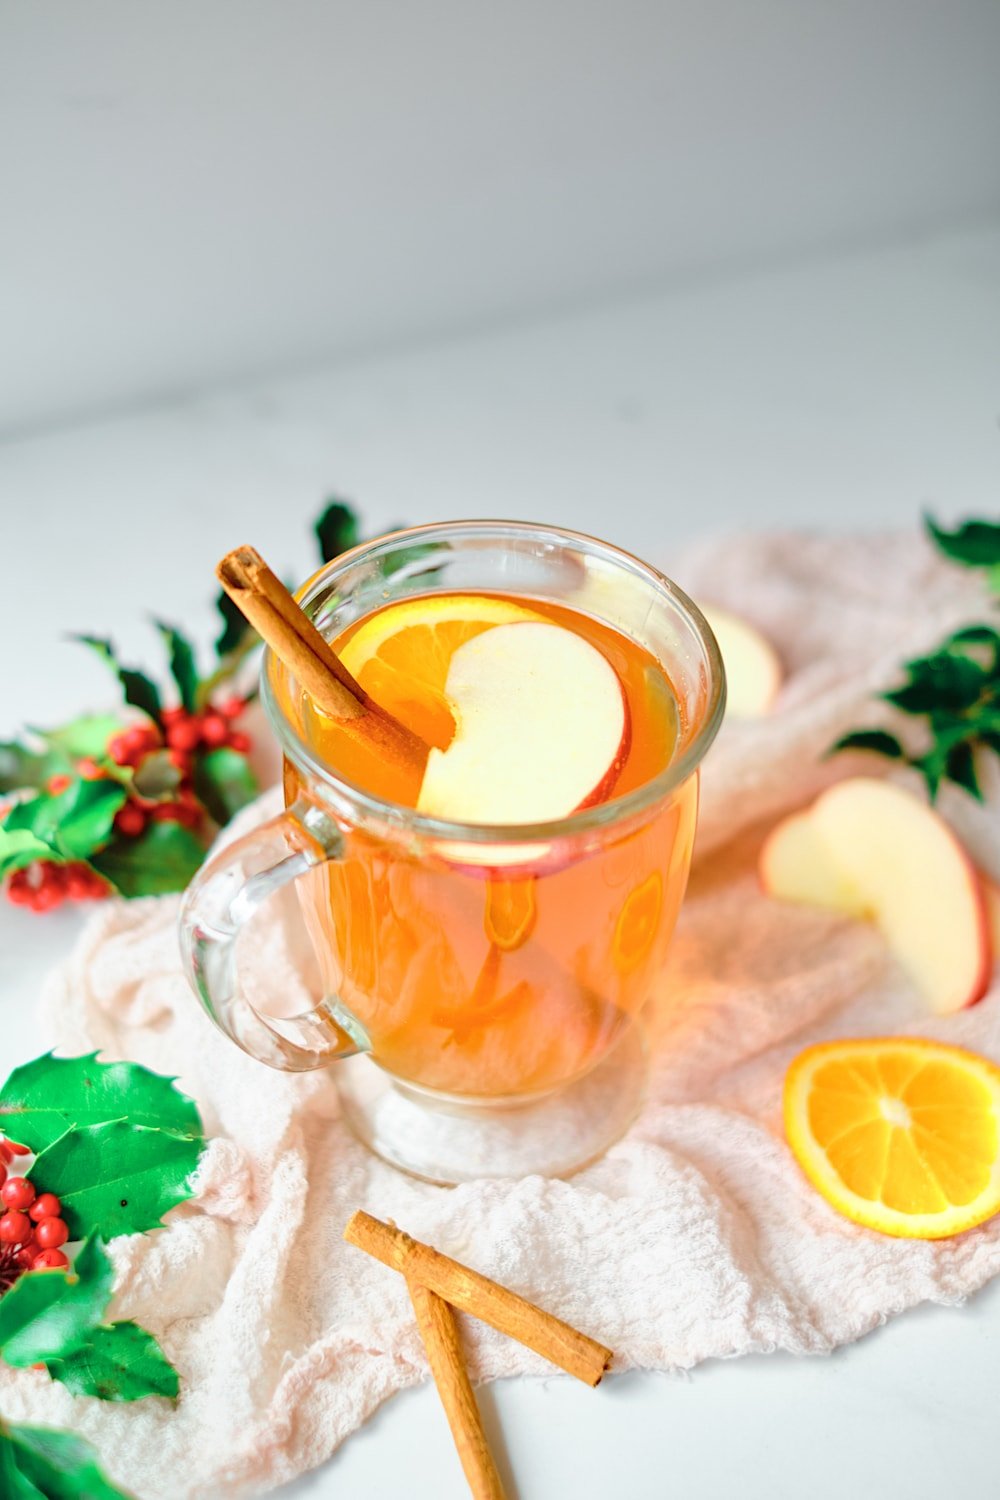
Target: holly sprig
(115, 1146)
(42, 1461)
(128, 803)
(952, 693)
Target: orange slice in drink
(401, 654)
(899, 1134)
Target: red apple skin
(982, 982)
(602, 791)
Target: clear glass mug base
(448, 1141)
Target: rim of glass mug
(616, 809)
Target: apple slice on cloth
(868, 848)
(542, 728)
(753, 670)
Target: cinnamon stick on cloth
(472, 1293)
(261, 596)
(439, 1332)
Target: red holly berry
(182, 762)
(58, 784)
(84, 884)
(17, 1192)
(9, 1148)
(214, 730)
(45, 1206)
(25, 1256)
(3, 1169)
(50, 1233)
(130, 820)
(20, 889)
(185, 734)
(173, 715)
(231, 708)
(15, 1228)
(239, 741)
(118, 749)
(46, 895)
(50, 1260)
(89, 769)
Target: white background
(196, 190)
(754, 256)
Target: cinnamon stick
(472, 1293)
(295, 641)
(439, 1332)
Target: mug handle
(221, 899)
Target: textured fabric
(719, 1246)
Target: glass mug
(483, 983)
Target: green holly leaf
(47, 1314)
(118, 1362)
(877, 740)
(943, 681)
(156, 778)
(336, 530)
(235, 625)
(44, 1098)
(139, 690)
(118, 1177)
(974, 543)
(183, 667)
(73, 824)
(159, 861)
(960, 767)
(88, 735)
(224, 782)
(43, 1461)
(22, 768)
(20, 847)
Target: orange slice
(899, 1134)
(401, 654)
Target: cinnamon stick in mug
(472, 1293)
(261, 596)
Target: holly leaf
(944, 681)
(139, 690)
(73, 824)
(235, 625)
(51, 1464)
(224, 782)
(118, 1177)
(336, 530)
(118, 1362)
(156, 776)
(87, 735)
(20, 847)
(960, 767)
(47, 1314)
(22, 768)
(878, 740)
(974, 543)
(183, 667)
(44, 1098)
(161, 860)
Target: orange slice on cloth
(901, 1135)
(401, 654)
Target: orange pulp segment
(401, 654)
(900, 1134)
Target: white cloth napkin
(695, 1236)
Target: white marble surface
(843, 394)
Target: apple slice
(541, 728)
(753, 671)
(868, 848)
